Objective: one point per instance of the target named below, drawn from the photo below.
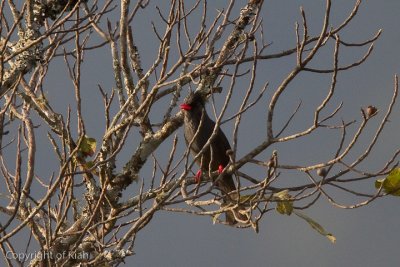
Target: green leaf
(281, 194)
(87, 146)
(285, 205)
(391, 184)
(316, 226)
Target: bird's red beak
(186, 106)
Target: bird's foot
(220, 169)
(197, 179)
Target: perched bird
(215, 156)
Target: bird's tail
(238, 214)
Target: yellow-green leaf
(391, 184)
(284, 205)
(87, 146)
(284, 194)
(316, 226)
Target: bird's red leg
(220, 169)
(198, 176)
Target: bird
(215, 157)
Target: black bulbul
(215, 157)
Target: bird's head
(193, 103)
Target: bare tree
(80, 210)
